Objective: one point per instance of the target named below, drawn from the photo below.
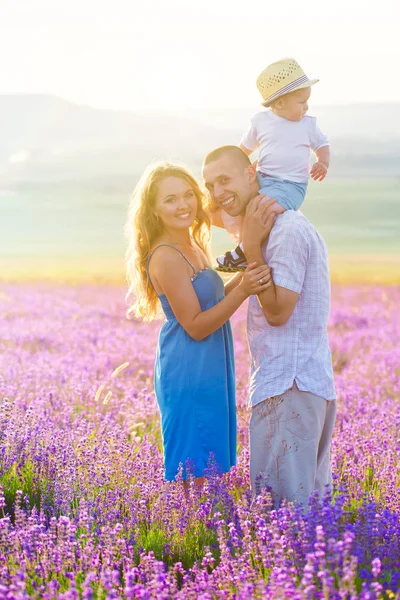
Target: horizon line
(190, 108)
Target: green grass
(359, 220)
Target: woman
(168, 262)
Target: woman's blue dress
(194, 383)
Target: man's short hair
(234, 152)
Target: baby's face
(293, 106)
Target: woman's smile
(184, 215)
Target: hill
(49, 140)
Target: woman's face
(176, 203)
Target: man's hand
(258, 222)
(318, 171)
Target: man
(291, 389)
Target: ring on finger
(260, 281)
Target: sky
(172, 55)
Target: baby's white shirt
(284, 145)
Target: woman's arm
(216, 218)
(172, 274)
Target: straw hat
(280, 78)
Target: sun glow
(176, 55)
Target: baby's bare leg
(275, 208)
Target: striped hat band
(287, 88)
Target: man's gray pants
(290, 438)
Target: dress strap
(169, 246)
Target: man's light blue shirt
(299, 350)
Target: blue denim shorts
(288, 194)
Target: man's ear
(252, 173)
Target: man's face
(230, 185)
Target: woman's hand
(256, 279)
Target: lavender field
(84, 511)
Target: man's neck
(255, 190)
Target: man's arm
(277, 302)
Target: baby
(284, 134)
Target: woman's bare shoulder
(165, 256)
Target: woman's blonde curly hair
(142, 229)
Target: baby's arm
(246, 150)
(320, 146)
(249, 142)
(320, 168)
